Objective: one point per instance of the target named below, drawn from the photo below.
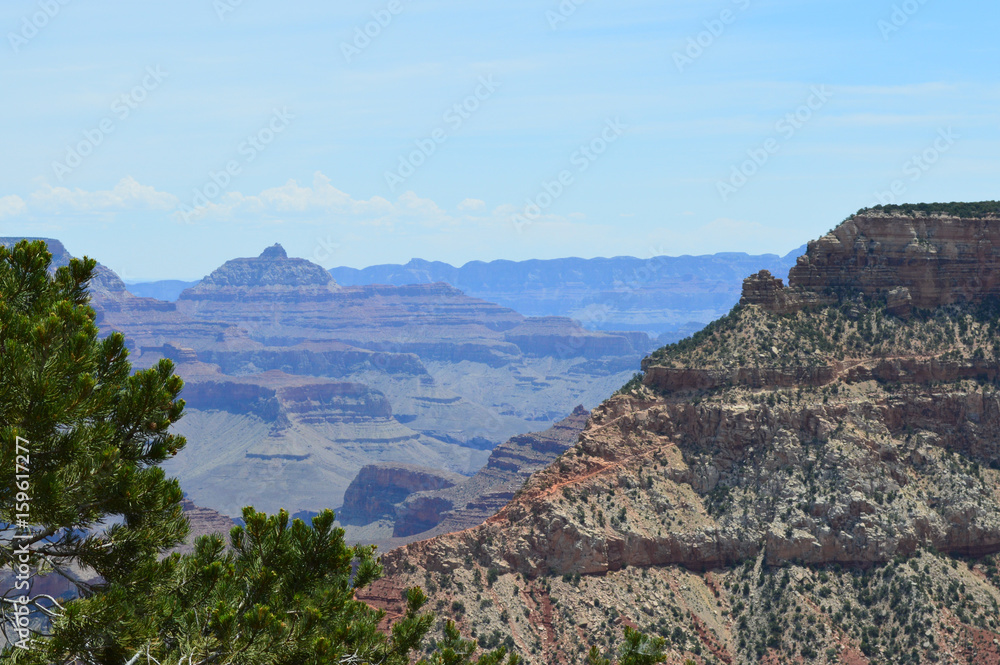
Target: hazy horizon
(474, 261)
(164, 140)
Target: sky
(163, 139)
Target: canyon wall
(803, 481)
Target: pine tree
(594, 657)
(641, 649)
(637, 649)
(281, 594)
(81, 439)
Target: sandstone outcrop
(910, 261)
(765, 290)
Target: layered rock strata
(910, 261)
(476, 499)
(377, 489)
(388, 374)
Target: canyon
(294, 383)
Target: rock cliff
(907, 260)
(444, 360)
(813, 483)
(377, 489)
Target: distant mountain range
(168, 289)
(665, 296)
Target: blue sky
(687, 104)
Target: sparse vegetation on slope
(854, 329)
(954, 209)
(808, 479)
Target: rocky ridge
(661, 295)
(478, 498)
(809, 483)
(922, 261)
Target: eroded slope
(810, 479)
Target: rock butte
(377, 489)
(911, 262)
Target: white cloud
(469, 205)
(318, 204)
(292, 200)
(126, 195)
(322, 195)
(11, 205)
(412, 204)
(322, 203)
